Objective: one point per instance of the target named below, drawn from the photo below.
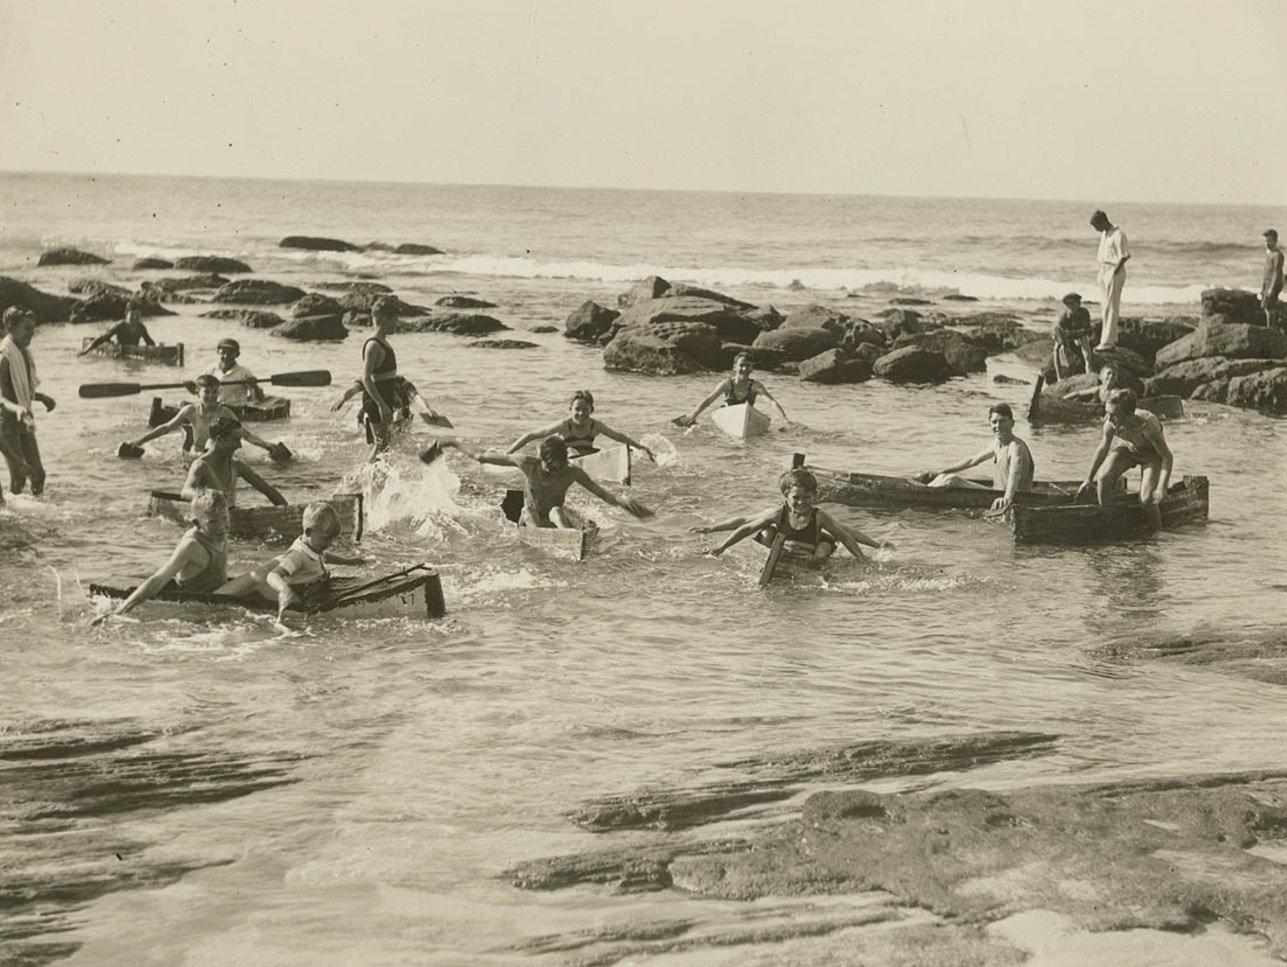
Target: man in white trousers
(1113, 254)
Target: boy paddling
(129, 332)
(199, 416)
(1012, 465)
(218, 468)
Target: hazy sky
(1150, 100)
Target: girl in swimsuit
(379, 377)
(736, 389)
(579, 430)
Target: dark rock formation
(912, 364)
(1183, 378)
(766, 317)
(730, 323)
(1265, 390)
(500, 344)
(316, 304)
(901, 322)
(250, 318)
(87, 286)
(653, 287)
(1147, 336)
(1237, 341)
(215, 264)
(325, 326)
(414, 248)
(957, 297)
(258, 292)
(665, 348)
(963, 355)
(361, 300)
(543, 329)
(377, 288)
(797, 343)
(1234, 305)
(152, 263)
(100, 307)
(185, 283)
(70, 256)
(592, 323)
(459, 323)
(315, 244)
(909, 301)
(679, 289)
(835, 366)
(464, 302)
(816, 317)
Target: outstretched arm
(692, 418)
(928, 475)
(98, 341)
(612, 434)
(760, 388)
(153, 585)
(259, 483)
(540, 434)
(183, 416)
(628, 504)
(481, 456)
(752, 526)
(849, 537)
(1101, 452)
(727, 524)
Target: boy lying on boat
(1012, 464)
(736, 389)
(199, 561)
(546, 479)
(579, 429)
(299, 575)
(218, 469)
(811, 533)
(198, 416)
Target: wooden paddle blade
(431, 453)
(128, 451)
(309, 377)
(1034, 404)
(94, 391)
(437, 419)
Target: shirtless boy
(127, 333)
(1012, 465)
(199, 416)
(1132, 438)
(218, 468)
(1273, 281)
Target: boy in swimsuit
(299, 575)
(199, 561)
(1012, 465)
(126, 333)
(546, 482)
(1132, 438)
(199, 415)
(736, 389)
(218, 468)
(579, 430)
(811, 533)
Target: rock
(964, 356)
(85, 286)
(316, 304)
(1235, 305)
(1183, 378)
(816, 317)
(912, 364)
(766, 317)
(47, 308)
(989, 319)
(148, 302)
(543, 329)
(1233, 340)
(957, 297)
(1003, 380)
(901, 322)
(250, 318)
(414, 248)
(327, 326)
(859, 332)
(835, 366)
(909, 301)
(797, 343)
(1265, 391)
(361, 300)
(1147, 336)
(315, 244)
(464, 302)
(653, 287)
(730, 323)
(459, 323)
(70, 256)
(354, 318)
(665, 348)
(1038, 352)
(373, 288)
(215, 264)
(100, 307)
(591, 323)
(500, 344)
(1003, 337)
(152, 263)
(679, 289)
(258, 292)
(207, 281)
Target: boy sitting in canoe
(736, 389)
(300, 574)
(198, 416)
(811, 533)
(218, 468)
(242, 388)
(1012, 464)
(1132, 438)
(199, 561)
(579, 429)
(546, 480)
(126, 333)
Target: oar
(309, 377)
(1034, 404)
(775, 550)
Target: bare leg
(956, 480)
(1118, 462)
(248, 584)
(1152, 512)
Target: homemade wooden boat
(893, 493)
(565, 542)
(1049, 408)
(741, 421)
(166, 355)
(1185, 502)
(270, 408)
(264, 523)
(610, 463)
(414, 592)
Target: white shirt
(1112, 246)
(233, 395)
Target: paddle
(310, 377)
(775, 550)
(1034, 404)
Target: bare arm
(759, 388)
(179, 558)
(147, 336)
(612, 434)
(849, 537)
(540, 434)
(184, 415)
(628, 504)
(753, 526)
(727, 524)
(1101, 452)
(348, 559)
(259, 483)
(199, 479)
(1020, 464)
(973, 461)
(99, 340)
(255, 440)
(719, 391)
(483, 456)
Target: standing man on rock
(1113, 254)
(1273, 282)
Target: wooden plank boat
(741, 421)
(610, 464)
(166, 355)
(270, 408)
(873, 490)
(414, 592)
(1049, 408)
(264, 523)
(1082, 523)
(573, 544)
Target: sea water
(211, 788)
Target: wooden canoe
(573, 544)
(1049, 408)
(741, 421)
(265, 523)
(1124, 518)
(166, 355)
(610, 464)
(415, 592)
(271, 408)
(873, 490)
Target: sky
(1128, 100)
